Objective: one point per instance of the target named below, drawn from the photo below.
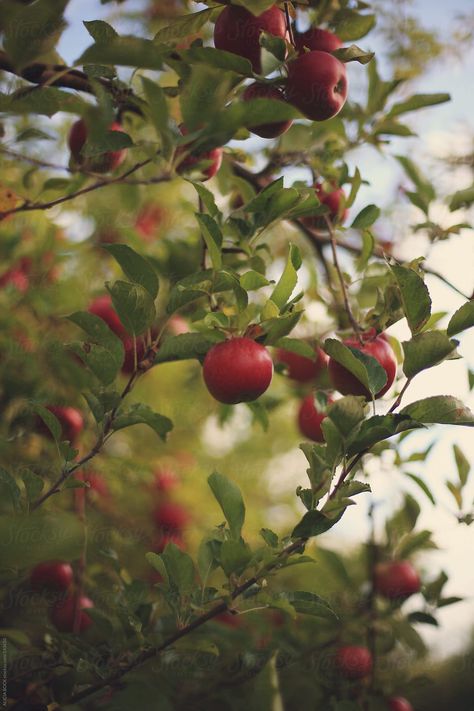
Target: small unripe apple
(70, 419)
(378, 348)
(171, 516)
(103, 308)
(51, 575)
(237, 370)
(238, 31)
(398, 703)
(354, 662)
(396, 580)
(317, 85)
(299, 367)
(310, 418)
(265, 91)
(63, 614)
(317, 39)
(192, 159)
(103, 163)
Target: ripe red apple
(238, 31)
(396, 580)
(63, 614)
(192, 159)
(103, 163)
(103, 308)
(379, 348)
(237, 370)
(310, 418)
(398, 703)
(334, 200)
(317, 39)
(299, 367)
(354, 662)
(150, 218)
(17, 278)
(265, 91)
(171, 516)
(165, 480)
(71, 421)
(317, 85)
(51, 575)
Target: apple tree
(160, 275)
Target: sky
(443, 129)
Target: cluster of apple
(316, 83)
(394, 581)
(240, 370)
(68, 613)
(170, 517)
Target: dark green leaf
(8, 483)
(353, 54)
(426, 350)
(366, 217)
(415, 296)
(134, 305)
(229, 498)
(462, 319)
(142, 414)
(138, 269)
(418, 101)
(186, 346)
(442, 409)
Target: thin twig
(400, 396)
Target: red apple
(310, 419)
(396, 580)
(103, 308)
(378, 348)
(237, 370)
(17, 278)
(265, 91)
(149, 220)
(165, 480)
(398, 703)
(354, 662)
(317, 39)
(171, 516)
(71, 421)
(334, 201)
(238, 31)
(317, 85)
(301, 368)
(103, 163)
(192, 159)
(63, 614)
(51, 575)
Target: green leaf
(353, 54)
(207, 198)
(158, 113)
(288, 279)
(270, 538)
(212, 236)
(308, 603)
(462, 319)
(134, 305)
(33, 484)
(441, 409)
(422, 486)
(418, 101)
(203, 95)
(366, 217)
(234, 557)
(314, 523)
(183, 25)
(424, 618)
(250, 281)
(378, 428)
(179, 567)
(368, 244)
(350, 25)
(412, 542)
(105, 352)
(426, 350)
(50, 420)
(424, 187)
(347, 413)
(462, 198)
(462, 464)
(138, 269)
(158, 564)
(100, 31)
(7, 482)
(31, 30)
(142, 414)
(124, 51)
(415, 297)
(365, 368)
(295, 345)
(229, 498)
(186, 346)
(445, 601)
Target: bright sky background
(444, 129)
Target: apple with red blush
(317, 85)
(265, 91)
(377, 347)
